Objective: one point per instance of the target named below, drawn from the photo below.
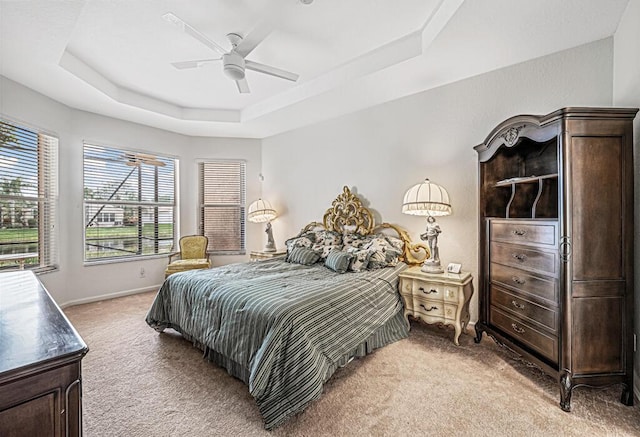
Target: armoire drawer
(520, 330)
(521, 280)
(525, 233)
(533, 312)
(525, 258)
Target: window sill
(124, 260)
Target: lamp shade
(261, 211)
(427, 199)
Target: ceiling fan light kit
(234, 63)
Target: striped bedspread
(283, 328)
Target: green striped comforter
(282, 328)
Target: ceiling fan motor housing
(233, 65)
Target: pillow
(300, 241)
(360, 259)
(338, 261)
(326, 241)
(302, 255)
(383, 254)
(353, 240)
(396, 242)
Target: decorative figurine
(271, 245)
(432, 264)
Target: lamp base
(269, 248)
(432, 266)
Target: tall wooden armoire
(556, 244)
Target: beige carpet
(137, 382)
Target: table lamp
(261, 211)
(430, 200)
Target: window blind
(222, 205)
(28, 198)
(129, 203)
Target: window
(222, 205)
(28, 198)
(129, 204)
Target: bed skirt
(393, 330)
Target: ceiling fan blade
(182, 65)
(273, 71)
(243, 86)
(189, 30)
(255, 37)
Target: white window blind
(222, 205)
(28, 198)
(129, 203)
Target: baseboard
(110, 296)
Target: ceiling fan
(234, 63)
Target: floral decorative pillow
(397, 243)
(326, 241)
(298, 242)
(383, 253)
(353, 240)
(359, 260)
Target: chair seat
(187, 264)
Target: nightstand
(258, 255)
(437, 297)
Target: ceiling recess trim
(126, 96)
(393, 53)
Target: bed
(284, 326)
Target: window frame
(138, 204)
(242, 205)
(47, 197)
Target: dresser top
(33, 329)
(415, 273)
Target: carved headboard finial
(347, 211)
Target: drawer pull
(427, 292)
(518, 280)
(520, 257)
(429, 309)
(519, 232)
(517, 305)
(518, 329)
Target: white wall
(74, 282)
(383, 151)
(626, 93)
(378, 152)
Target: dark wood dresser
(556, 244)
(40, 355)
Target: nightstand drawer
(525, 258)
(545, 288)
(434, 309)
(524, 233)
(428, 290)
(525, 309)
(546, 344)
(428, 308)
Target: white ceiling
(113, 57)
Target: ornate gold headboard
(348, 214)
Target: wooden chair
(192, 255)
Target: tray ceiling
(114, 57)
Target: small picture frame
(454, 268)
